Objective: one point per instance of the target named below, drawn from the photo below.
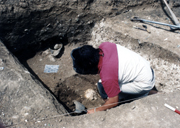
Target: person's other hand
(90, 111)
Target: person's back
(132, 67)
(120, 66)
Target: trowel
(80, 108)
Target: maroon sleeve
(109, 69)
(111, 87)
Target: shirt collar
(101, 55)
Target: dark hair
(85, 59)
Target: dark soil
(74, 87)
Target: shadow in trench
(26, 54)
(131, 98)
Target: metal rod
(172, 14)
(155, 22)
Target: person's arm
(110, 103)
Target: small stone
(102, 119)
(48, 25)
(57, 46)
(89, 22)
(139, 41)
(90, 94)
(56, 52)
(46, 52)
(165, 39)
(133, 107)
(1, 68)
(51, 58)
(23, 5)
(26, 114)
(77, 19)
(1, 61)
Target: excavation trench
(68, 86)
(65, 84)
(70, 29)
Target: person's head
(85, 59)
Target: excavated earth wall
(22, 97)
(25, 24)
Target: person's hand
(90, 111)
(110, 103)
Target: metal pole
(155, 22)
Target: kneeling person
(124, 74)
